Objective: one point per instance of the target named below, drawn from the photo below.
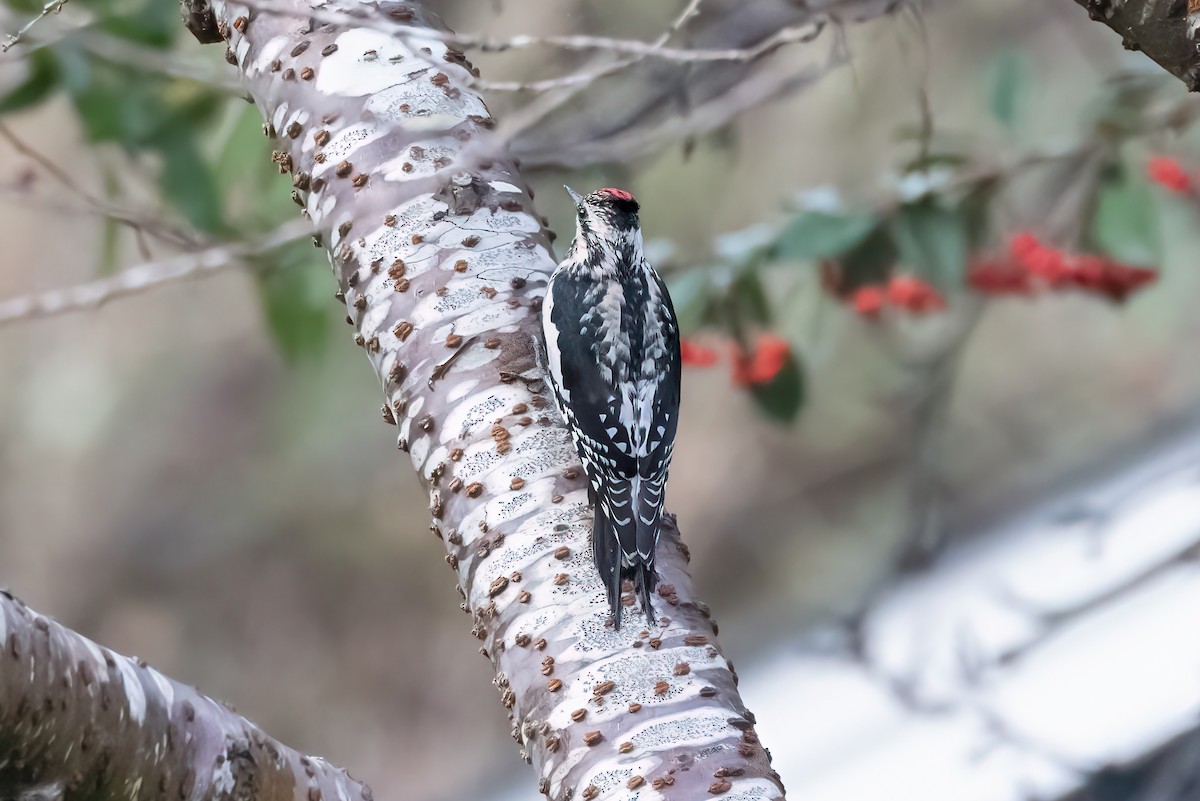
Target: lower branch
(80, 722)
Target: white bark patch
(687, 729)
(353, 71)
(349, 139)
(505, 186)
(278, 116)
(421, 106)
(418, 161)
(635, 673)
(165, 688)
(268, 52)
(475, 415)
(461, 389)
(611, 777)
(222, 779)
(133, 690)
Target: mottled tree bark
(1167, 31)
(442, 262)
(80, 722)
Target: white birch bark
(442, 263)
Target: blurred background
(198, 474)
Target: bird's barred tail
(624, 536)
(648, 519)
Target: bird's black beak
(574, 196)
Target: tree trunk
(442, 263)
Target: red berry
(999, 276)
(696, 355)
(761, 366)
(914, 294)
(868, 301)
(1170, 174)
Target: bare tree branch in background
(144, 277)
(78, 721)
(1167, 31)
(52, 7)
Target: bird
(612, 353)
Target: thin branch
(513, 126)
(144, 277)
(640, 50)
(655, 49)
(705, 118)
(140, 223)
(173, 64)
(53, 7)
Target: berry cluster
(902, 292)
(1170, 174)
(758, 366)
(1030, 265)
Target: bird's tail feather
(607, 557)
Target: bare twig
(140, 223)
(144, 277)
(53, 7)
(149, 59)
(702, 119)
(584, 77)
(637, 49)
(513, 126)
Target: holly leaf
(1006, 88)
(294, 288)
(42, 79)
(870, 262)
(816, 235)
(692, 295)
(1124, 224)
(187, 182)
(782, 397)
(931, 240)
(750, 296)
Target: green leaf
(931, 240)
(750, 296)
(782, 398)
(976, 209)
(692, 296)
(43, 78)
(297, 306)
(187, 182)
(870, 262)
(256, 196)
(155, 23)
(815, 235)
(1006, 88)
(1124, 224)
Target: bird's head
(608, 215)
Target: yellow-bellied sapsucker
(612, 351)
